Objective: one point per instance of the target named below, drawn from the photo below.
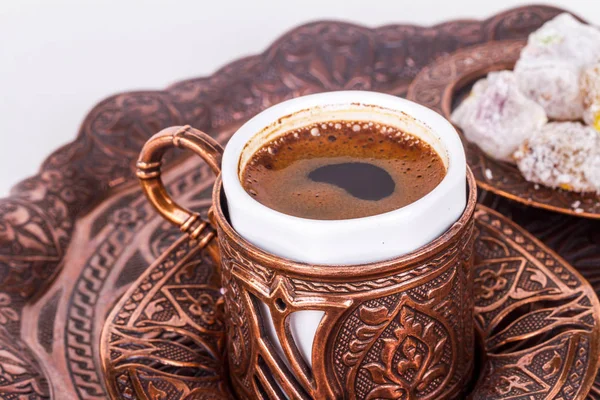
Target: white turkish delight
(551, 63)
(497, 116)
(554, 86)
(562, 155)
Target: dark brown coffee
(342, 170)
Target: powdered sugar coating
(590, 89)
(554, 86)
(562, 155)
(550, 66)
(497, 116)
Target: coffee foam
(369, 114)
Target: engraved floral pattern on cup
(410, 361)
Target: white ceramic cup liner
(350, 241)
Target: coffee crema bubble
(341, 170)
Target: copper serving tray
(76, 236)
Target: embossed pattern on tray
(536, 316)
(437, 87)
(77, 234)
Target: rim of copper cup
(337, 272)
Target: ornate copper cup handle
(149, 173)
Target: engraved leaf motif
(375, 319)
(511, 383)
(413, 360)
(319, 70)
(37, 232)
(17, 229)
(350, 359)
(438, 351)
(154, 307)
(409, 348)
(407, 319)
(552, 367)
(430, 375)
(155, 393)
(357, 346)
(364, 333)
(387, 392)
(377, 373)
(406, 365)
(9, 355)
(389, 348)
(373, 316)
(520, 293)
(429, 335)
(7, 313)
(13, 369)
(436, 295)
(538, 276)
(10, 365)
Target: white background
(60, 57)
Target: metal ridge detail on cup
(363, 270)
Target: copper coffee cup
(395, 329)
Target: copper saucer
(444, 83)
(538, 323)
